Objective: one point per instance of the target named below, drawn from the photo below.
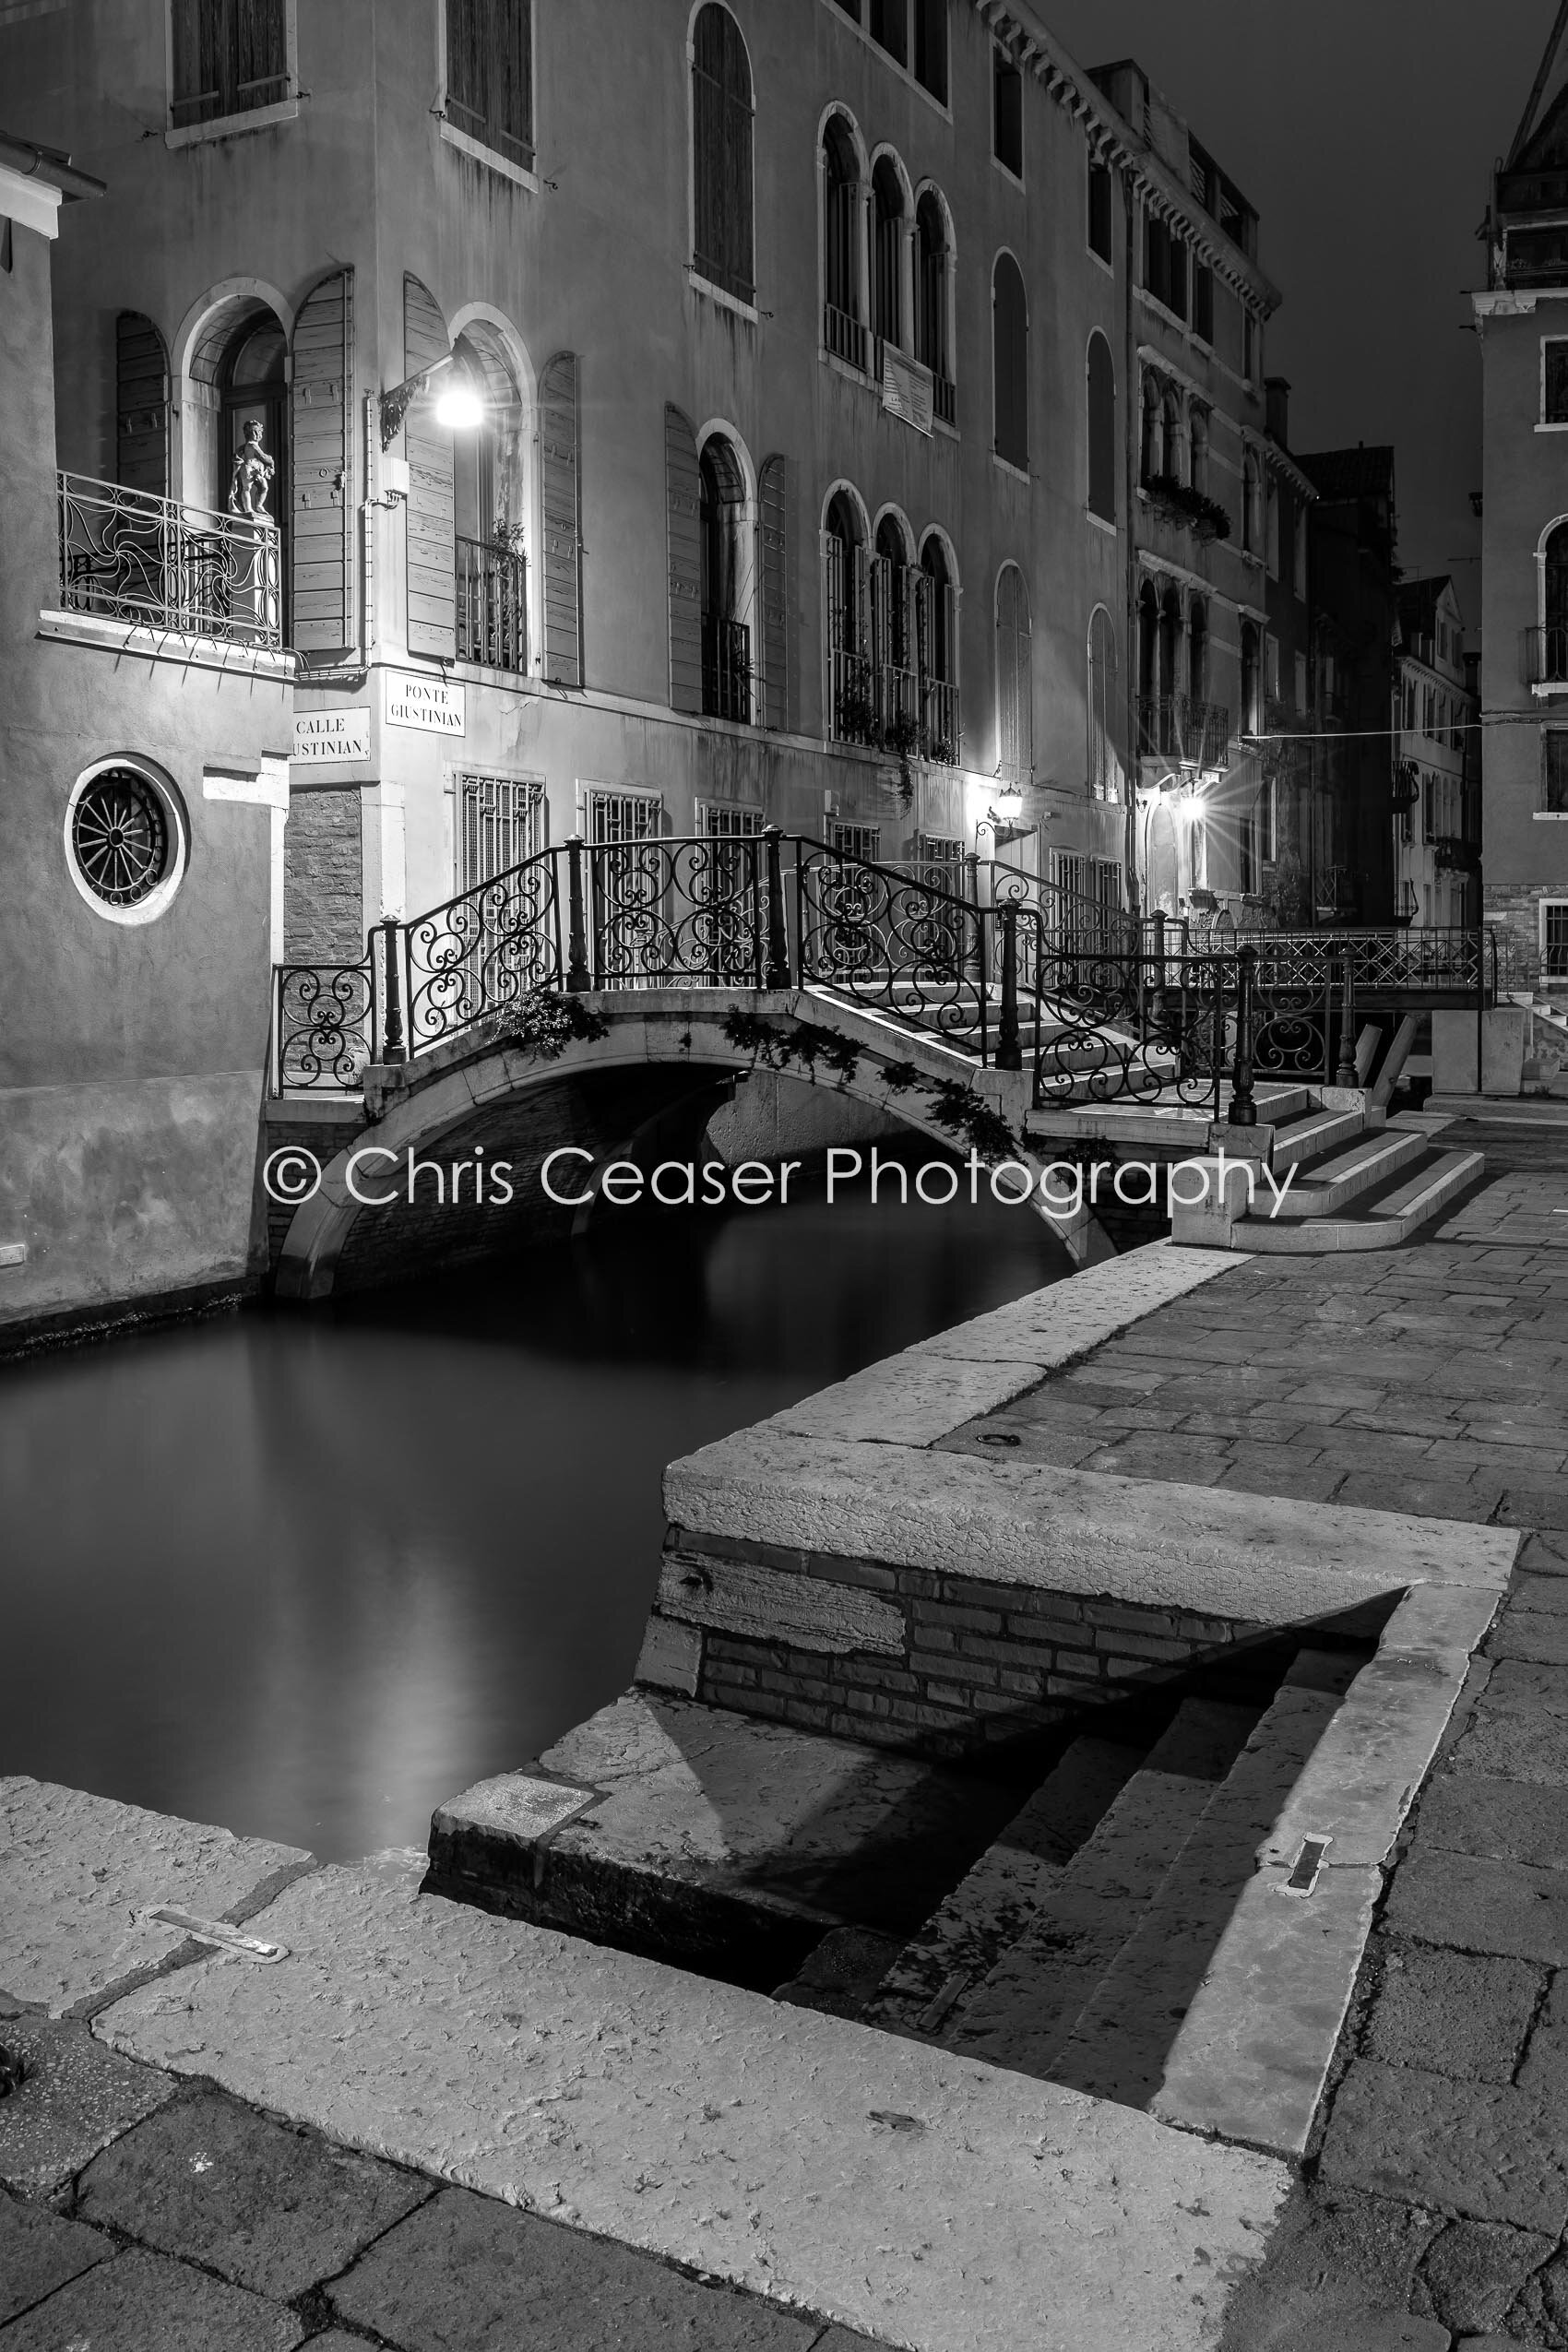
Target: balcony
(940, 729)
(1546, 656)
(492, 606)
(726, 669)
(844, 337)
(160, 564)
(1177, 727)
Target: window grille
(856, 840)
(1554, 939)
(230, 57)
(722, 820)
(490, 75)
(721, 132)
(499, 824)
(1554, 771)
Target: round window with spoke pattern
(125, 839)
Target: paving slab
(469, 2275)
(78, 1873)
(1455, 2013)
(1475, 1812)
(1475, 2271)
(75, 2097)
(1474, 2149)
(926, 2200)
(38, 2251)
(271, 2209)
(143, 2302)
(1488, 1905)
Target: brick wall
(976, 1665)
(1514, 909)
(324, 877)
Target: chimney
(1276, 414)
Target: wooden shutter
(721, 163)
(1010, 351)
(141, 404)
(773, 501)
(321, 470)
(561, 497)
(683, 506)
(432, 548)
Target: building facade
(1437, 813)
(143, 801)
(1522, 319)
(799, 488)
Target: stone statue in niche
(251, 481)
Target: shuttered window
(499, 824)
(141, 405)
(229, 56)
(1010, 351)
(1103, 429)
(1015, 688)
(431, 547)
(722, 160)
(490, 74)
(321, 461)
(773, 502)
(682, 482)
(561, 496)
(1102, 767)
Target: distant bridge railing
(1111, 1008)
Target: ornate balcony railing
(1546, 656)
(186, 570)
(843, 336)
(941, 725)
(726, 668)
(851, 717)
(492, 606)
(1179, 727)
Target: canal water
(308, 1575)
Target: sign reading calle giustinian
(429, 706)
(330, 738)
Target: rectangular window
(490, 75)
(1266, 821)
(230, 57)
(499, 822)
(931, 47)
(862, 841)
(889, 28)
(1250, 340)
(1007, 113)
(1554, 382)
(1271, 667)
(1554, 771)
(724, 821)
(1101, 231)
(1203, 300)
(1554, 938)
(1300, 681)
(1272, 528)
(1299, 550)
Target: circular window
(124, 841)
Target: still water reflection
(308, 1575)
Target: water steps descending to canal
(304, 1575)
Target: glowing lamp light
(458, 407)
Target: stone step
(1334, 1183)
(1021, 2012)
(1117, 2046)
(1386, 1223)
(997, 1900)
(1311, 1137)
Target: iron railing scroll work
(165, 564)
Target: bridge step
(1334, 1185)
(1385, 1223)
(1311, 1137)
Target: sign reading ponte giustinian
(429, 706)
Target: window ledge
(502, 166)
(1550, 689)
(718, 294)
(1549, 816)
(1005, 465)
(1557, 425)
(1100, 523)
(1014, 179)
(228, 126)
(1100, 262)
(842, 367)
(166, 645)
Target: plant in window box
(1206, 517)
(1203, 902)
(855, 716)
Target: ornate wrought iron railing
(493, 605)
(126, 555)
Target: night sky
(1364, 133)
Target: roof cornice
(1113, 140)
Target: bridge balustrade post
(1243, 1111)
(1009, 1043)
(1157, 959)
(393, 1048)
(776, 975)
(1344, 1076)
(576, 945)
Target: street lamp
(458, 404)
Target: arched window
(721, 155)
(843, 328)
(1251, 510)
(1197, 437)
(1249, 679)
(1103, 429)
(1169, 651)
(490, 508)
(1555, 594)
(1151, 448)
(1197, 649)
(892, 633)
(936, 619)
(1104, 778)
(1010, 353)
(933, 264)
(725, 581)
(850, 710)
(1014, 681)
(1171, 433)
(887, 253)
(1148, 671)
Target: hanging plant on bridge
(546, 1023)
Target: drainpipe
(1132, 413)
